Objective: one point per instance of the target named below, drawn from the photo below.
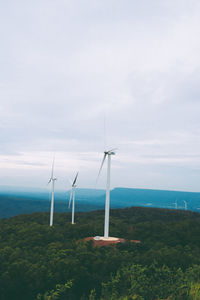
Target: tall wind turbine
(72, 197)
(107, 203)
(52, 180)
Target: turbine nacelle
(52, 179)
(109, 152)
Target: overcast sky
(68, 65)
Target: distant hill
(122, 197)
(20, 201)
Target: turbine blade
(49, 180)
(70, 199)
(104, 157)
(113, 150)
(52, 170)
(75, 179)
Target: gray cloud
(65, 64)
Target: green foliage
(194, 292)
(43, 263)
(92, 295)
(137, 281)
(60, 292)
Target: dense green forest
(42, 263)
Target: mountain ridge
(21, 201)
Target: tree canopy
(39, 262)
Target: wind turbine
(107, 203)
(176, 204)
(52, 179)
(185, 204)
(72, 197)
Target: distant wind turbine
(72, 197)
(52, 179)
(176, 205)
(107, 203)
(185, 204)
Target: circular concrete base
(102, 241)
(108, 239)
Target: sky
(78, 77)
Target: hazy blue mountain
(44, 194)
(122, 197)
(14, 201)
(19, 201)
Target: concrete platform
(101, 241)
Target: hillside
(155, 198)
(20, 201)
(39, 262)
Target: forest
(38, 262)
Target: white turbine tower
(107, 203)
(52, 180)
(185, 204)
(72, 197)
